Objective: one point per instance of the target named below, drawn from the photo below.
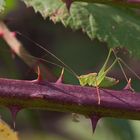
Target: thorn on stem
(14, 111)
(60, 79)
(68, 3)
(39, 77)
(128, 86)
(94, 120)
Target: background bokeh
(76, 50)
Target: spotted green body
(92, 79)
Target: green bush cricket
(99, 79)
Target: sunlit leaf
(6, 133)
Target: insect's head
(87, 79)
(82, 80)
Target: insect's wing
(108, 82)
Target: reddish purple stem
(69, 98)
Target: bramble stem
(69, 98)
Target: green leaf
(6, 133)
(10, 5)
(119, 27)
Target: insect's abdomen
(108, 82)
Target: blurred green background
(82, 55)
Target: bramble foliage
(117, 26)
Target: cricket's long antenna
(130, 69)
(120, 65)
(41, 59)
(37, 44)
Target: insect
(97, 80)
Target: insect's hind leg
(98, 95)
(98, 92)
(128, 86)
(119, 60)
